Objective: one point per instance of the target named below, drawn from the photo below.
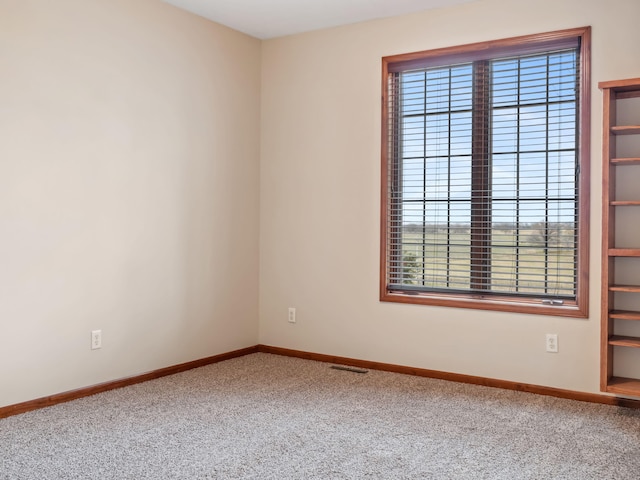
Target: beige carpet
(269, 417)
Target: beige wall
(319, 200)
(128, 191)
(134, 195)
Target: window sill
(496, 303)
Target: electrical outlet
(96, 339)
(292, 315)
(552, 342)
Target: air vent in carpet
(348, 369)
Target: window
(485, 175)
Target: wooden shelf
(626, 161)
(625, 288)
(624, 341)
(625, 130)
(624, 386)
(624, 203)
(624, 315)
(624, 252)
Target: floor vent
(348, 369)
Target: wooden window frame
(486, 51)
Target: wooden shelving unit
(620, 276)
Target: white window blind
(483, 175)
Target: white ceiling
(276, 18)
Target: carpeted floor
(269, 417)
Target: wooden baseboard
(456, 377)
(123, 382)
(387, 367)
